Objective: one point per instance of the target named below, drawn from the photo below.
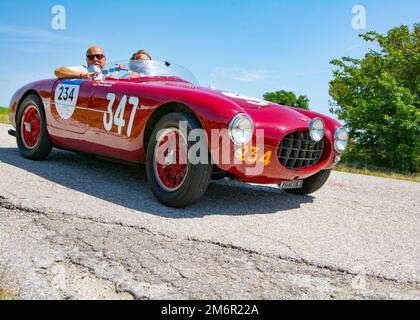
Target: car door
(116, 118)
(69, 104)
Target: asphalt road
(73, 226)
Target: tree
(287, 98)
(379, 99)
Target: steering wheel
(117, 69)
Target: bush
(379, 99)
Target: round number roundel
(250, 100)
(65, 99)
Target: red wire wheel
(30, 127)
(170, 161)
(174, 178)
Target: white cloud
(248, 75)
(307, 73)
(26, 34)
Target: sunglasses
(97, 56)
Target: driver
(95, 56)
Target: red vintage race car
(155, 113)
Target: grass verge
(376, 171)
(5, 295)
(4, 115)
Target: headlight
(316, 129)
(341, 139)
(241, 129)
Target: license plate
(295, 184)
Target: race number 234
(111, 119)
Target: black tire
(197, 178)
(312, 184)
(43, 146)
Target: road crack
(159, 275)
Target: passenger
(141, 55)
(140, 68)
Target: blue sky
(248, 47)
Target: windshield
(146, 68)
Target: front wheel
(31, 129)
(312, 184)
(174, 180)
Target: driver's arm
(71, 72)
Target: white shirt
(80, 69)
(84, 70)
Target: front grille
(298, 151)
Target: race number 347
(111, 119)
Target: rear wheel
(174, 180)
(312, 184)
(31, 130)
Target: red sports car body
(116, 117)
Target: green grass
(376, 171)
(5, 295)
(4, 115)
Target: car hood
(265, 113)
